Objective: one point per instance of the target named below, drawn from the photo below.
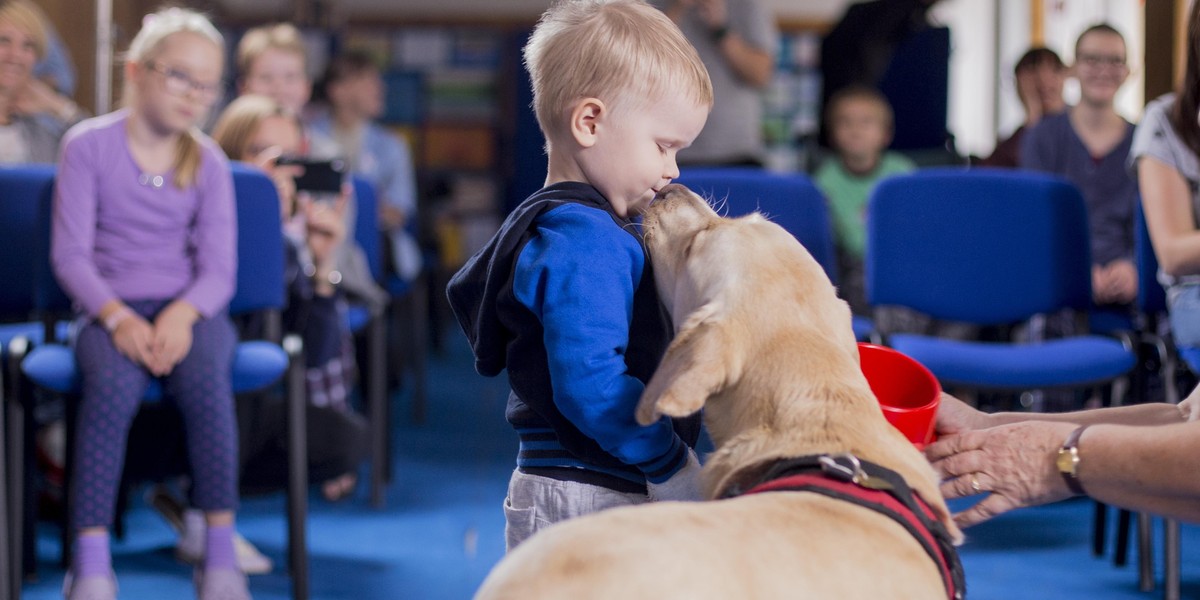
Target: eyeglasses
(179, 83)
(1096, 61)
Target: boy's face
(360, 94)
(1100, 67)
(634, 150)
(860, 127)
(279, 75)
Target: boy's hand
(683, 485)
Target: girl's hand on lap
(134, 338)
(172, 336)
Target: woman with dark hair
(1164, 156)
(1040, 75)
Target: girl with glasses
(144, 243)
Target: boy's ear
(585, 118)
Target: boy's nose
(672, 169)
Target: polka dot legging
(113, 386)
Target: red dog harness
(866, 484)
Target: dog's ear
(695, 367)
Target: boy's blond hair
(280, 36)
(614, 50)
(29, 18)
(860, 92)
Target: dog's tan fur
(766, 347)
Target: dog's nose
(667, 190)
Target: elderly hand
(1189, 407)
(1014, 464)
(955, 416)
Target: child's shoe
(90, 588)
(190, 547)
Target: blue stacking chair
(408, 309)
(258, 364)
(989, 247)
(1151, 307)
(366, 233)
(791, 201)
(22, 190)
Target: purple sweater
(114, 237)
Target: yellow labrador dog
(766, 347)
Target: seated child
(860, 125)
(563, 297)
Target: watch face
(1067, 460)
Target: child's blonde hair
(239, 122)
(29, 18)
(280, 36)
(615, 50)
(156, 28)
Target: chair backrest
(1151, 297)
(985, 246)
(791, 201)
(259, 242)
(366, 227)
(23, 191)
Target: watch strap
(1072, 445)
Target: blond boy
(859, 120)
(272, 62)
(563, 296)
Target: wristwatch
(1068, 461)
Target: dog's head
(735, 288)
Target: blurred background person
(1040, 75)
(737, 40)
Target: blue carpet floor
(442, 528)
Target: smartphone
(318, 175)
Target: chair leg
(6, 538)
(72, 413)
(1171, 558)
(14, 486)
(1099, 529)
(377, 403)
(419, 342)
(1121, 552)
(1145, 552)
(297, 495)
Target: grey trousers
(535, 502)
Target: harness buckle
(853, 472)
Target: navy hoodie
(563, 298)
